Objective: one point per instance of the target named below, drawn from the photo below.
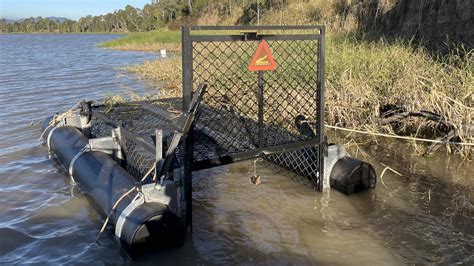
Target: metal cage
(227, 112)
(277, 115)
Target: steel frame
(195, 34)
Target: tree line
(156, 15)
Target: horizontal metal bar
(156, 110)
(217, 38)
(290, 147)
(247, 155)
(271, 27)
(236, 38)
(227, 159)
(147, 146)
(292, 37)
(162, 113)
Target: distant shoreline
(62, 33)
(153, 41)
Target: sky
(72, 9)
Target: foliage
(254, 9)
(129, 19)
(153, 16)
(147, 41)
(362, 75)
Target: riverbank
(363, 76)
(147, 41)
(63, 33)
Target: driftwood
(391, 114)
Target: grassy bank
(61, 33)
(147, 41)
(362, 75)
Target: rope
(102, 229)
(86, 148)
(48, 139)
(400, 137)
(56, 119)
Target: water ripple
(42, 216)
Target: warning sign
(262, 59)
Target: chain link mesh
(228, 121)
(142, 124)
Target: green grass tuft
(147, 41)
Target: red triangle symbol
(262, 59)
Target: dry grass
(299, 13)
(327, 12)
(363, 75)
(165, 73)
(211, 17)
(155, 47)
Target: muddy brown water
(424, 216)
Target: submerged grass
(364, 75)
(164, 73)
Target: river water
(425, 215)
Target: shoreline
(63, 33)
(362, 76)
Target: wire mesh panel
(247, 114)
(138, 146)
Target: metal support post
(187, 58)
(320, 109)
(261, 85)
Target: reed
(147, 41)
(162, 73)
(362, 75)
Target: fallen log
(391, 114)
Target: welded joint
(165, 193)
(85, 125)
(109, 145)
(73, 121)
(79, 122)
(334, 153)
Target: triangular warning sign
(262, 59)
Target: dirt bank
(436, 21)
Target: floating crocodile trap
(248, 92)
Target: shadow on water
(42, 217)
(426, 214)
(416, 217)
(413, 218)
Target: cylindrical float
(346, 174)
(137, 224)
